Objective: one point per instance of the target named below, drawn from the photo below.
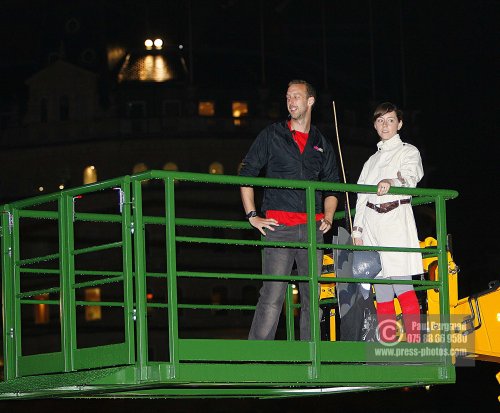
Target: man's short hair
(309, 88)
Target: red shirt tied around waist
(293, 218)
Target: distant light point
(158, 43)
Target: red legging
(411, 315)
(386, 314)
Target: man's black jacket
(275, 151)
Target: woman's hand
(261, 223)
(383, 186)
(357, 241)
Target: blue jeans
(279, 261)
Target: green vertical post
(173, 320)
(313, 283)
(67, 269)
(16, 287)
(9, 354)
(140, 281)
(127, 263)
(444, 296)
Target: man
(292, 149)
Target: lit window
(240, 109)
(89, 175)
(139, 167)
(149, 296)
(170, 166)
(206, 108)
(42, 313)
(149, 68)
(92, 312)
(216, 168)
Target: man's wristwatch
(251, 214)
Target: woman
(387, 220)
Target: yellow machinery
(327, 291)
(478, 314)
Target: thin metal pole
(342, 164)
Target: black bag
(360, 322)
(358, 316)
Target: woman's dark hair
(387, 107)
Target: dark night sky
(450, 60)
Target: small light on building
(42, 311)
(239, 109)
(41, 188)
(170, 166)
(89, 175)
(181, 46)
(61, 186)
(216, 168)
(158, 43)
(206, 108)
(149, 44)
(92, 312)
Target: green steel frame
(196, 367)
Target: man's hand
(261, 223)
(325, 226)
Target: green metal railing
(194, 366)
